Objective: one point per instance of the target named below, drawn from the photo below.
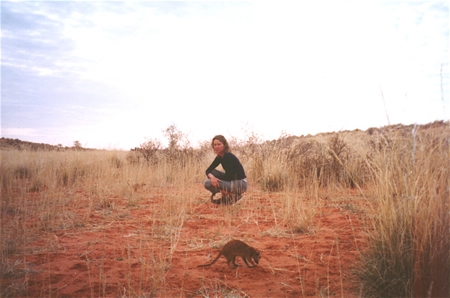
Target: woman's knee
(207, 183)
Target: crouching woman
(232, 184)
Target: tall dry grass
(405, 171)
(409, 253)
(306, 162)
(403, 174)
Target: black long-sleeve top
(232, 166)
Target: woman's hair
(222, 139)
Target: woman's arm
(213, 165)
(214, 181)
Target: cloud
(109, 71)
(33, 40)
(19, 132)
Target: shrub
(146, 150)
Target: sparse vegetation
(144, 214)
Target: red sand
(110, 251)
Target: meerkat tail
(218, 256)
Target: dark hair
(222, 139)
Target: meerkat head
(257, 256)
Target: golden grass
(402, 177)
(410, 251)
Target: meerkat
(236, 248)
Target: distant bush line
(17, 144)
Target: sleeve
(233, 168)
(214, 165)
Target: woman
(232, 183)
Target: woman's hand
(214, 180)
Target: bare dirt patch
(117, 247)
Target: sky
(112, 75)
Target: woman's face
(219, 147)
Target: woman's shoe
(218, 201)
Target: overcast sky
(111, 74)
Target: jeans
(236, 187)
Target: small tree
(77, 145)
(175, 136)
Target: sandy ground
(120, 249)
